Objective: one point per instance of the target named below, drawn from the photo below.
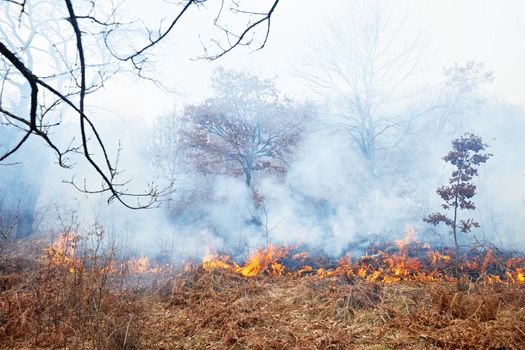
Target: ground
(92, 305)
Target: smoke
(327, 200)
(333, 197)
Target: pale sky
(486, 31)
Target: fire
(300, 256)
(62, 251)
(410, 261)
(209, 262)
(263, 260)
(403, 260)
(408, 237)
(138, 265)
(436, 257)
(521, 276)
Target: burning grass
(65, 300)
(385, 263)
(60, 302)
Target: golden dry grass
(50, 307)
(218, 310)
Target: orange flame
(408, 237)
(62, 251)
(263, 260)
(381, 266)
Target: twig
(127, 331)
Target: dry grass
(48, 306)
(45, 306)
(223, 311)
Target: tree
(166, 148)
(54, 54)
(20, 188)
(246, 127)
(361, 63)
(462, 82)
(466, 155)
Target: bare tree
(54, 54)
(361, 64)
(166, 148)
(462, 84)
(246, 127)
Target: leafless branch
(238, 41)
(67, 86)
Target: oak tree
(466, 156)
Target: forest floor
(90, 306)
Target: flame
(408, 237)
(379, 265)
(138, 265)
(210, 262)
(62, 252)
(141, 265)
(437, 258)
(301, 256)
(304, 269)
(263, 260)
(521, 276)
(409, 261)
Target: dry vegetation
(92, 306)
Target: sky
(486, 31)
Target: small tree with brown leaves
(466, 155)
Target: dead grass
(51, 307)
(218, 310)
(48, 306)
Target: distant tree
(165, 150)
(18, 180)
(462, 81)
(246, 127)
(54, 54)
(20, 188)
(466, 156)
(362, 64)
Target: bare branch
(74, 74)
(160, 37)
(240, 37)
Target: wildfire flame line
(391, 263)
(381, 266)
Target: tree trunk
(248, 177)
(21, 191)
(24, 225)
(454, 232)
(460, 286)
(367, 147)
(26, 216)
